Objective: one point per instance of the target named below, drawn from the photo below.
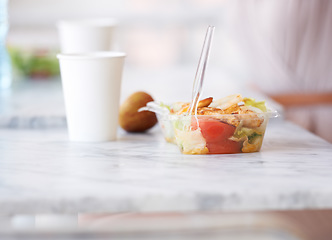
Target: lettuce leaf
(163, 105)
(243, 133)
(252, 102)
(191, 142)
(182, 123)
(252, 137)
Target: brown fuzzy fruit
(133, 121)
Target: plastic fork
(200, 72)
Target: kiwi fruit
(133, 121)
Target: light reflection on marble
(41, 171)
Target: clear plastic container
(213, 134)
(164, 120)
(166, 126)
(219, 134)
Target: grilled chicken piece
(203, 103)
(219, 114)
(234, 115)
(249, 118)
(226, 102)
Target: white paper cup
(91, 85)
(86, 35)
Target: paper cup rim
(91, 55)
(89, 22)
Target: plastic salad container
(229, 125)
(163, 115)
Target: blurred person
(288, 48)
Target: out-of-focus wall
(155, 33)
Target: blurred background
(155, 34)
(281, 49)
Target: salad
(36, 63)
(233, 124)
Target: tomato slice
(224, 147)
(217, 134)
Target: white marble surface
(33, 104)
(40, 171)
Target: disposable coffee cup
(86, 35)
(91, 86)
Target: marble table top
(42, 172)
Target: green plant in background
(34, 63)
